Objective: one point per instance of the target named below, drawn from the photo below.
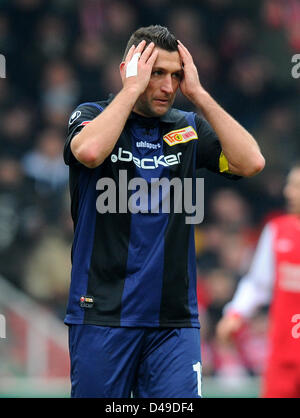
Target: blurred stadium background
(62, 52)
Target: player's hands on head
(190, 84)
(137, 68)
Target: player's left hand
(190, 84)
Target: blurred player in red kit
(274, 278)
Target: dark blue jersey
(133, 264)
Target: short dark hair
(160, 35)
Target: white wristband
(132, 67)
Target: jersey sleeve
(209, 150)
(79, 118)
(255, 288)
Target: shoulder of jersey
(284, 219)
(81, 110)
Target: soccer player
(274, 278)
(132, 310)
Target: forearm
(247, 299)
(255, 288)
(238, 145)
(98, 138)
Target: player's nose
(167, 85)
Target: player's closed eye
(177, 76)
(157, 73)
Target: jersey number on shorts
(198, 368)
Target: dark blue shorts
(108, 362)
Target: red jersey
(284, 344)
(274, 278)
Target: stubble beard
(144, 108)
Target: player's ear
(122, 70)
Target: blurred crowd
(60, 53)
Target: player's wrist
(132, 91)
(234, 314)
(199, 97)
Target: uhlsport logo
(2, 326)
(74, 116)
(145, 144)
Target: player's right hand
(137, 68)
(228, 326)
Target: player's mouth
(161, 101)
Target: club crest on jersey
(180, 136)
